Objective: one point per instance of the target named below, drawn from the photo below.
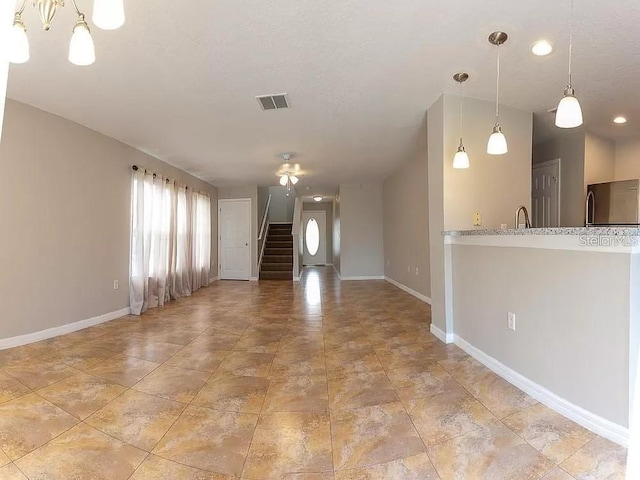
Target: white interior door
(315, 238)
(234, 227)
(545, 194)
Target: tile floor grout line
(426, 448)
(139, 465)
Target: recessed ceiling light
(317, 198)
(620, 120)
(542, 48)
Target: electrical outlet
(503, 226)
(417, 272)
(477, 219)
(116, 285)
(511, 321)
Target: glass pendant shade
(497, 144)
(18, 43)
(108, 14)
(284, 180)
(294, 179)
(461, 159)
(81, 49)
(569, 112)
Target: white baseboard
(443, 337)
(253, 279)
(606, 428)
(410, 291)
(214, 279)
(61, 330)
(373, 277)
(296, 279)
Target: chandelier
(107, 15)
(288, 173)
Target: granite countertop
(604, 231)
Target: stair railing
(296, 231)
(262, 238)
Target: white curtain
(170, 225)
(201, 242)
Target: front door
(315, 238)
(545, 194)
(234, 225)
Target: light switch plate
(511, 321)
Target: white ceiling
(179, 79)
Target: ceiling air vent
(273, 102)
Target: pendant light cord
(498, 88)
(570, 39)
(461, 111)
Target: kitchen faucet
(590, 196)
(527, 223)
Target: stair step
(280, 267)
(279, 244)
(278, 259)
(279, 238)
(278, 251)
(276, 275)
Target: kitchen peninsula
(555, 311)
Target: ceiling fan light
(461, 159)
(108, 14)
(284, 179)
(569, 112)
(294, 179)
(18, 42)
(497, 144)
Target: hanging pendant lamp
(497, 144)
(569, 112)
(461, 159)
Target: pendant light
(569, 113)
(81, 49)
(461, 159)
(18, 40)
(108, 14)
(497, 144)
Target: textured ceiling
(179, 79)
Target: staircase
(277, 262)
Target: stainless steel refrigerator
(613, 203)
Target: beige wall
(247, 191)
(569, 147)
(6, 18)
(494, 185)
(627, 164)
(336, 233)
(599, 160)
(65, 209)
(326, 207)
(361, 238)
(435, 163)
(572, 319)
(406, 223)
(281, 209)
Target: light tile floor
(312, 381)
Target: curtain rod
(136, 168)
